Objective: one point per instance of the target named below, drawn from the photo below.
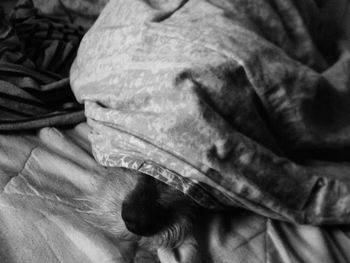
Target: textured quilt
(235, 103)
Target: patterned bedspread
(235, 103)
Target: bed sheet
(43, 174)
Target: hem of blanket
(190, 187)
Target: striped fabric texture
(36, 52)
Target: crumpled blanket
(36, 52)
(235, 103)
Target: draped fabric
(233, 102)
(36, 52)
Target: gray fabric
(229, 101)
(44, 173)
(36, 52)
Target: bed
(282, 202)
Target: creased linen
(43, 176)
(44, 173)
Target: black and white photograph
(174, 131)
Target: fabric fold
(36, 52)
(224, 100)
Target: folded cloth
(36, 52)
(227, 100)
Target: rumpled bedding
(43, 176)
(237, 103)
(36, 52)
(44, 173)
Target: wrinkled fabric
(228, 101)
(82, 12)
(44, 173)
(36, 52)
(43, 176)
